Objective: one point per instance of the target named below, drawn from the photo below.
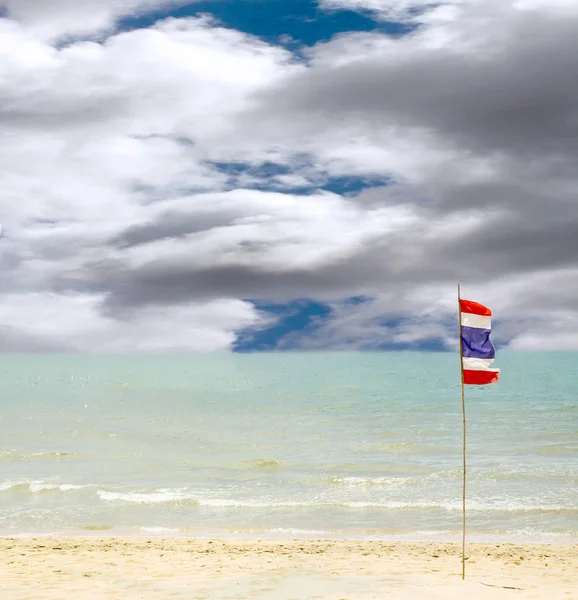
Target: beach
(175, 568)
(322, 476)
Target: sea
(300, 445)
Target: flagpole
(464, 439)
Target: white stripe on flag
(478, 321)
(478, 364)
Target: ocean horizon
(300, 444)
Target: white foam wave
(156, 497)
(350, 481)
(8, 485)
(297, 532)
(36, 487)
(13, 454)
(159, 530)
(185, 495)
(391, 505)
(453, 507)
(64, 487)
(502, 474)
(232, 503)
(370, 481)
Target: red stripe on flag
(480, 377)
(474, 308)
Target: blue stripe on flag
(476, 343)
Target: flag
(477, 350)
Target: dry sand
(143, 569)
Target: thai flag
(477, 349)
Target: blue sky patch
(262, 177)
(298, 320)
(302, 316)
(286, 22)
(352, 185)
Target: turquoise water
(312, 445)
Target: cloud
(514, 95)
(562, 335)
(89, 152)
(61, 18)
(156, 180)
(278, 246)
(474, 118)
(436, 11)
(75, 323)
(393, 10)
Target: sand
(142, 569)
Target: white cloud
(93, 137)
(74, 323)
(551, 336)
(90, 130)
(561, 7)
(429, 11)
(392, 10)
(53, 19)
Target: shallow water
(313, 445)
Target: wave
(514, 474)
(13, 454)
(370, 481)
(296, 532)
(449, 507)
(182, 495)
(38, 487)
(457, 507)
(156, 497)
(348, 481)
(263, 463)
(160, 530)
(200, 498)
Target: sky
(256, 175)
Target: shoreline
(167, 567)
(106, 533)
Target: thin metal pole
(464, 439)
